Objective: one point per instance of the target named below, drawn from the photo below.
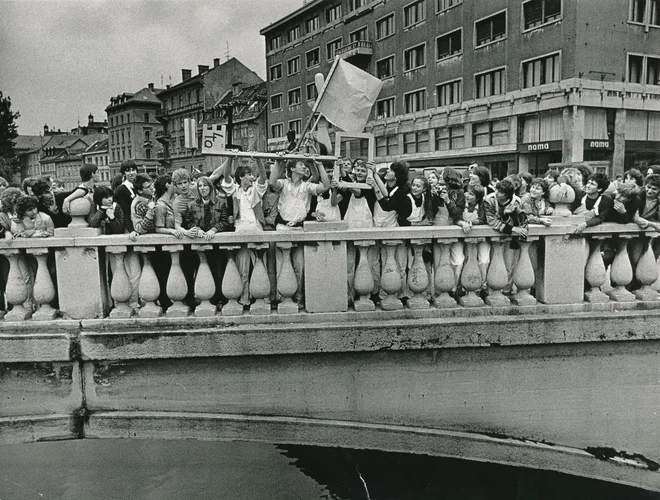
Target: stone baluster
(443, 274)
(259, 281)
(149, 287)
(523, 276)
(44, 289)
(656, 285)
(204, 283)
(120, 289)
(16, 292)
(646, 272)
(497, 277)
(595, 272)
(390, 280)
(363, 281)
(621, 272)
(471, 275)
(418, 276)
(287, 283)
(232, 284)
(177, 288)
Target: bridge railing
(328, 268)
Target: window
(356, 4)
(333, 13)
(198, 95)
(312, 24)
(387, 145)
(385, 108)
(147, 135)
(490, 133)
(275, 42)
(275, 72)
(385, 68)
(414, 58)
(358, 35)
(313, 57)
(147, 154)
(333, 47)
(294, 96)
(640, 9)
(449, 93)
(312, 92)
(447, 138)
(443, 5)
(293, 66)
(449, 44)
(277, 130)
(414, 13)
(416, 142)
(644, 69)
(541, 70)
(415, 101)
(385, 27)
(293, 34)
(491, 29)
(146, 117)
(538, 12)
(276, 102)
(295, 126)
(491, 83)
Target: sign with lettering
(539, 147)
(598, 144)
(213, 138)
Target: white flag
(213, 138)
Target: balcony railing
(162, 136)
(372, 272)
(357, 48)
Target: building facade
(62, 157)
(132, 130)
(516, 85)
(194, 98)
(97, 154)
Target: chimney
(151, 86)
(201, 69)
(167, 86)
(216, 62)
(186, 74)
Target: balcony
(162, 136)
(162, 115)
(361, 48)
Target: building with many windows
(97, 154)
(192, 98)
(133, 129)
(514, 84)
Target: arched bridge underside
(576, 392)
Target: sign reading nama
(539, 147)
(598, 144)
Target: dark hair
(651, 180)
(478, 191)
(601, 179)
(540, 182)
(585, 171)
(636, 175)
(9, 197)
(40, 186)
(484, 175)
(140, 181)
(24, 204)
(654, 168)
(400, 169)
(160, 184)
(87, 170)
(28, 182)
(527, 177)
(452, 178)
(552, 173)
(101, 192)
(127, 164)
(116, 181)
(506, 186)
(241, 172)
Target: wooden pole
(288, 156)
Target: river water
(196, 470)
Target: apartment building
(97, 154)
(514, 84)
(194, 98)
(132, 130)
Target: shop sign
(539, 147)
(598, 144)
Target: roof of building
(306, 7)
(142, 96)
(64, 143)
(100, 146)
(199, 78)
(246, 102)
(26, 143)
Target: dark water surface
(195, 470)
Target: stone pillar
(44, 289)
(523, 276)
(619, 153)
(120, 289)
(621, 273)
(443, 279)
(646, 273)
(595, 272)
(16, 292)
(259, 281)
(418, 277)
(287, 285)
(177, 288)
(204, 283)
(81, 281)
(390, 280)
(232, 284)
(523, 162)
(573, 144)
(363, 282)
(471, 276)
(149, 287)
(497, 277)
(560, 277)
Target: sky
(61, 60)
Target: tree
(8, 128)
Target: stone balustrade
(329, 269)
